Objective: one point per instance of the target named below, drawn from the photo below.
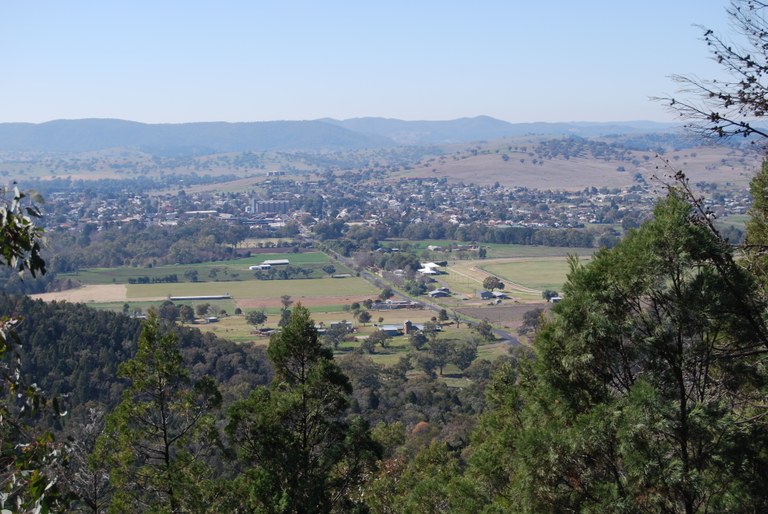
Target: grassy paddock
(259, 289)
(502, 250)
(495, 250)
(543, 273)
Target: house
(438, 293)
(485, 295)
(499, 295)
(260, 267)
(391, 330)
(555, 299)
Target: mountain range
(86, 135)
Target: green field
(544, 273)
(494, 250)
(258, 288)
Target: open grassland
(495, 250)
(511, 251)
(265, 293)
(709, 164)
(539, 274)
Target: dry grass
(710, 164)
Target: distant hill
(184, 138)
(318, 135)
(485, 128)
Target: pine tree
(300, 453)
(156, 440)
(647, 391)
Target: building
(485, 295)
(276, 262)
(270, 206)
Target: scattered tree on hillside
(417, 339)
(548, 294)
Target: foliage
(21, 238)
(485, 330)
(299, 452)
(27, 459)
(531, 321)
(490, 283)
(548, 294)
(69, 347)
(415, 287)
(256, 318)
(647, 391)
(156, 439)
(379, 337)
(757, 227)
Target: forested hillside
(73, 352)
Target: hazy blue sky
(250, 60)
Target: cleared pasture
(540, 274)
(508, 251)
(260, 289)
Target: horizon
(569, 122)
(235, 62)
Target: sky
(173, 61)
